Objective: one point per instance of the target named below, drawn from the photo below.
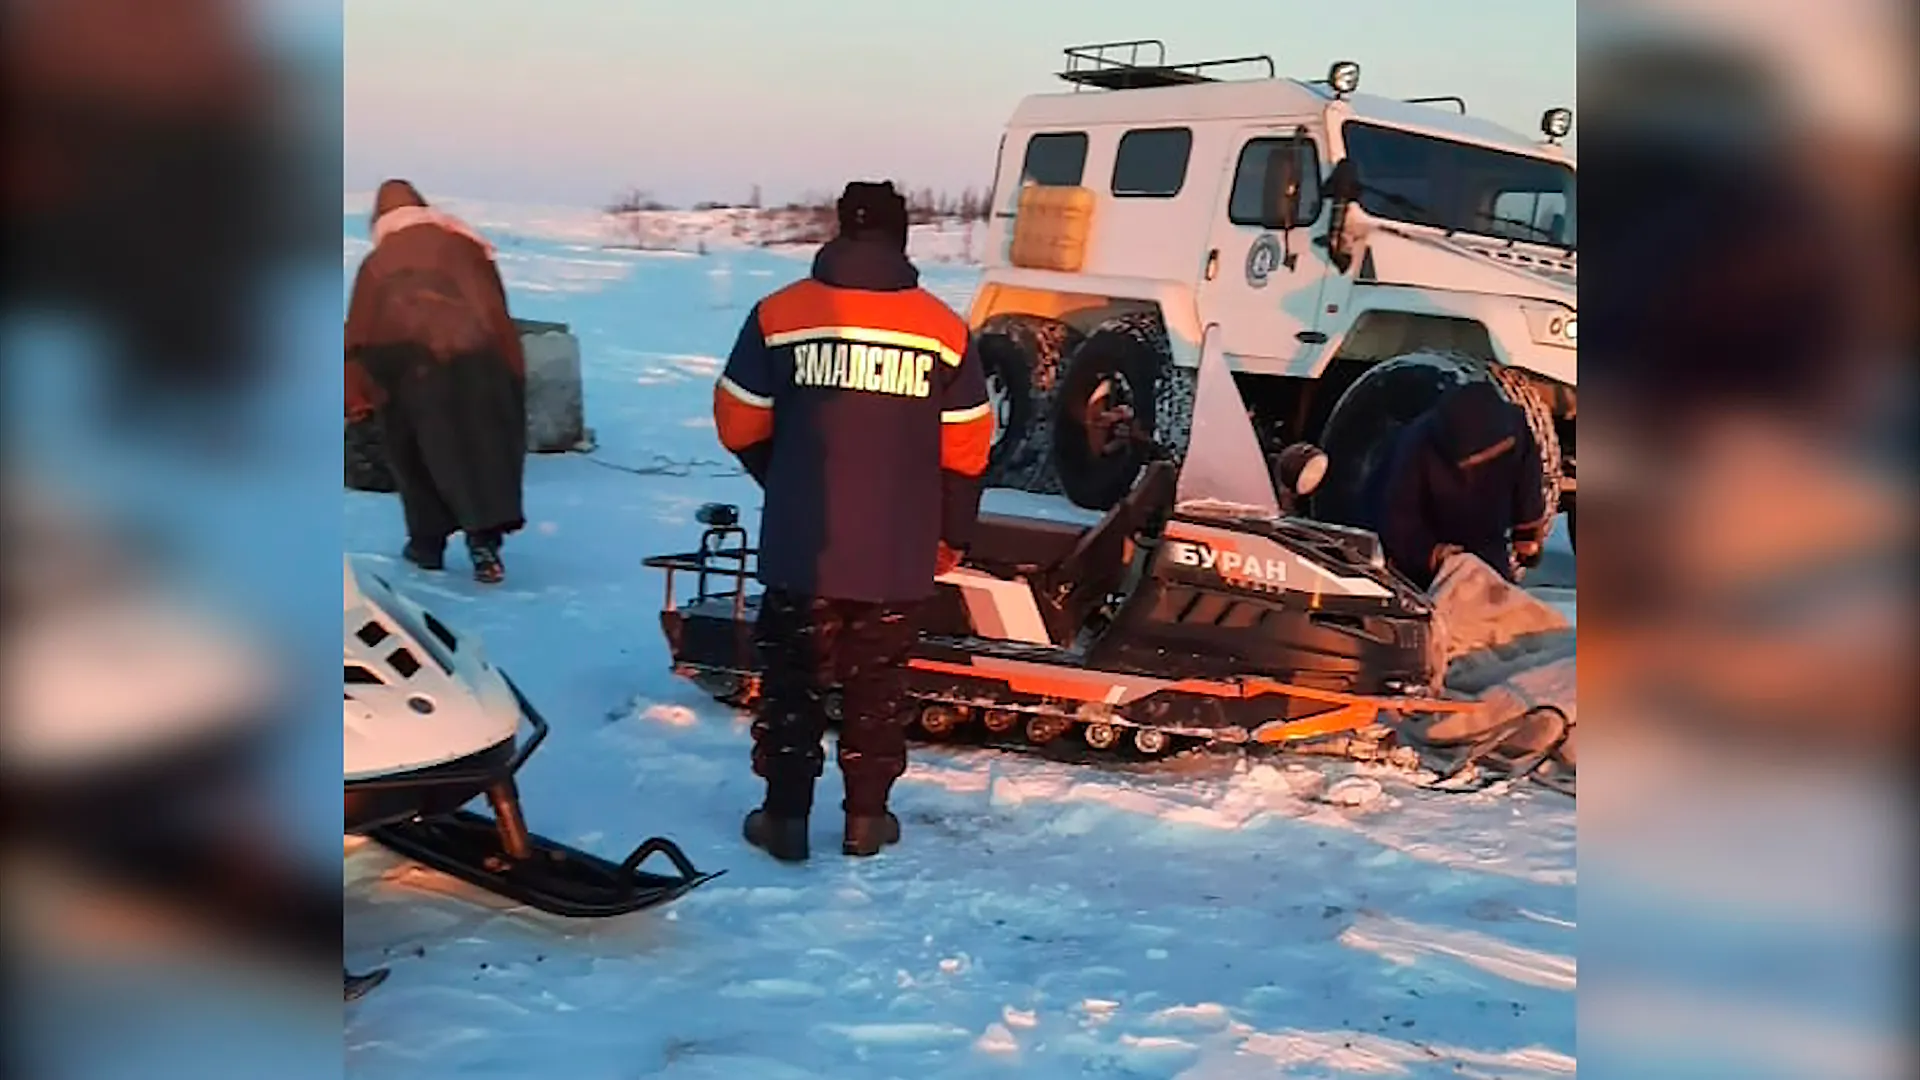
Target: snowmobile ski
(551, 877)
(358, 985)
(1485, 762)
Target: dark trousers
(429, 510)
(808, 647)
(456, 442)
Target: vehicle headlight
(1552, 325)
(1344, 77)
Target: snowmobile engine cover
(401, 661)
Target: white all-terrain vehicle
(1354, 255)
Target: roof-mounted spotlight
(1344, 77)
(1556, 123)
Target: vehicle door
(1261, 285)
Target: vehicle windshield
(1461, 188)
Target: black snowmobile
(1194, 612)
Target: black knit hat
(867, 207)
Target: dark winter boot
(867, 835)
(426, 555)
(783, 838)
(487, 567)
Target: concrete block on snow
(556, 411)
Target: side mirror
(1280, 195)
(1343, 185)
(718, 515)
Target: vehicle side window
(1055, 159)
(1250, 177)
(1152, 162)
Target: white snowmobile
(431, 724)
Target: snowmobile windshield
(1225, 474)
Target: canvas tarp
(1512, 654)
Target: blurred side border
(1747, 594)
(172, 317)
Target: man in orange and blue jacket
(855, 400)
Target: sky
(572, 102)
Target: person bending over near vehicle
(1463, 477)
(432, 350)
(855, 400)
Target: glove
(946, 560)
(1441, 553)
(1527, 553)
(1527, 543)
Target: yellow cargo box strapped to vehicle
(1050, 228)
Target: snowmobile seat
(1006, 545)
(1097, 566)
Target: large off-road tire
(1022, 357)
(1009, 375)
(1515, 386)
(1127, 361)
(1361, 429)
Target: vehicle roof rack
(1102, 66)
(1448, 99)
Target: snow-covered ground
(1204, 920)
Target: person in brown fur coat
(432, 351)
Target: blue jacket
(855, 400)
(1465, 473)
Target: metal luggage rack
(1454, 100)
(1101, 66)
(734, 566)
